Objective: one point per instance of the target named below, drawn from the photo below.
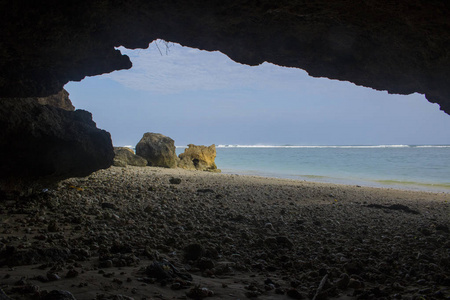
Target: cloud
(179, 69)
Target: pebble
(174, 180)
(343, 281)
(53, 276)
(109, 205)
(72, 273)
(252, 229)
(193, 251)
(294, 294)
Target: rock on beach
(199, 158)
(158, 150)
(125, 156)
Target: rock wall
(42, 144)
(398, 46)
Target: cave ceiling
(398, 46)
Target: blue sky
(205, 98)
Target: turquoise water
(398, 166)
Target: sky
(200, 97)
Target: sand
(152, 233)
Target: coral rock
(199, 158)
(125, 156)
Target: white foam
(312, 146)
(433, 146)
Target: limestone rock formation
(398, 46)
(158, 150)
(60, 100)
(199, 158)
(41, 144)
(125, 156)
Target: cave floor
(152, 233)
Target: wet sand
(152, 233)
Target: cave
(400, 47)
(295, 240)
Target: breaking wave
(340, 146)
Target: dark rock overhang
(41, 143)
(398, 46)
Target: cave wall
(398, 46)
(41, 144)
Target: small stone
(269, 226)
(174, 180)
(53, 276)
(72, 273)
(284, 241)
(442, 227)
(354, 284)
(193, 252)
(53, 227)
(343, 281)
(109, 205)
(205, 263)
(252, 294)
(21, 281)
(199, 293)
(227, 240)
(270, 241)
(106, 264)
(176, 286)
(121, 297)
(205, 191)
(294, 294)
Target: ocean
(412, 167)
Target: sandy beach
(153, 233)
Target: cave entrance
(203, 97)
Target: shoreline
(375, 183)
(396, 166)
(155, 233)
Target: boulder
(42, 144)
(199, 158)
(125, 156)
(158, 150)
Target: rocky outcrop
(60, 100)
(199, 158)
(398, 46)
(158, 150)
(42, 144)
(125, 156)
